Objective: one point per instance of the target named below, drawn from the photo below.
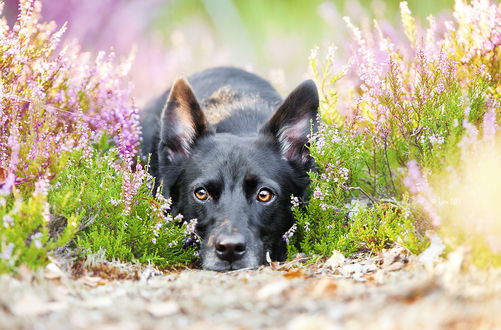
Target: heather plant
(118, 212)
(415, 105)
(337, 216)
(57, 180)
(25, 234)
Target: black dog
(230, 153)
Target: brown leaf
(24, 273)
(416, 290)
(325, 287)
(92, 281)
(394, 266)
(3, 174)
(294, 273)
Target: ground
(390, 290)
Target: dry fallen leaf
(294, 273)
(24, 274)
(415, 290)
(336, 260)
(272, 289)
(394, 266)
(352, 270)
(53, 271)
(92, 281)
(396, 253)
(325, 287)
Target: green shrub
(128, 225)
(402, 114)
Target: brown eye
(264, 195)
(201, 194)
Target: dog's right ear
(290, 125)
(182, 122)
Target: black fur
(228, 132)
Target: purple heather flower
(423, 193)
(8, 221)
(490, 125)
(440, 88)
(6, 186)
(289, 233)
(317, 194)
(61, 120)
(6, 253)
(35, 239)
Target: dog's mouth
(234, 266)
(227, 266)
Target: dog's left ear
(290, 125)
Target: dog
(231, 153)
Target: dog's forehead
(231, 154)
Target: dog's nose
(230, 247)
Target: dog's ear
(182, 121)
(290, 125)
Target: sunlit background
(179, 37)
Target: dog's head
(237, 187)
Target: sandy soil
(392, 290)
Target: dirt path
(389, 291)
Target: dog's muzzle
(230, 247)
(230, 250)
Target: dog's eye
(201, 194)
(264, 195)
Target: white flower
(331, 53)
(313, 53)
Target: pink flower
(423, 193)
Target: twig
(388, 164)
(47, 107)
(372, 199)
(375, 168)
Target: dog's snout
(231, 247)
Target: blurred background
(179, 37)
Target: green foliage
(87, 207)
(92, 191)
(338, 215)
(26, 236)
(409, 120)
